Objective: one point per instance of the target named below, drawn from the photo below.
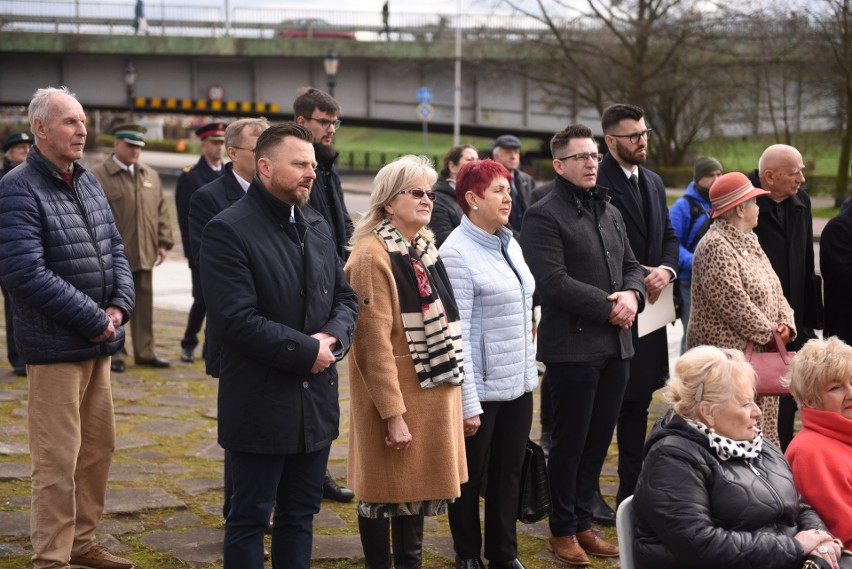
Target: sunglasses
(418, 193)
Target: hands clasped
(624, 308)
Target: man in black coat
(785, 231)
(835, 262)
(507, 151)
(207, 169)
(286, 314)
(640, 196)
(318, 112)
(591, 290)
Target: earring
(476, 208)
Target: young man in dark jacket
(286, 313)
(62, 261)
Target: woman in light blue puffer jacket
(493, 289)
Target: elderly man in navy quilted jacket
(62, 260)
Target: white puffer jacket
(493, 289)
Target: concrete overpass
(376, 84)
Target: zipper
(769, 486)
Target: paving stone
(337, 547)
(212, 413)
(338, 452)
(182, 373)
(209, 450)
(439, 545)
(124, 442)
(328, 519)
(15, 524)
(11, 448)
(15, 471)
(150, 469)
(168, 427)
(184, 401)
(119, 527)
(212, 509)
(20, 412)
(111, 543)
(338, 472)
(609, 469)
(430, 524)
(196, 486)
(609, 488)
(128, 394)
(181, 520)
(149, 456)
(13, 550)
(197, 547)
(12, 394)
(211, 433)
(12, 430)
(128, 500)
(145, 411)
(539, 529)
(19, 501)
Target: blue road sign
(424, 95)
(425, 112)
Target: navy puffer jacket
(62, 260)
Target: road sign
(424, 95)
(216, 92)
(425, 112)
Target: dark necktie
(637, 193)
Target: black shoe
(331, 490)
(516, 564)
(601, 512)
(545, 442)
(21, 371)
(154, 362)
(186, 355)
(474, 563)
(117, 366)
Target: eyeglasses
(242, 148)
(418, 193)
(634, 138)
(325, 123)
(583, 156)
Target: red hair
(476, 177)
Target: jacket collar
(279, 210)
(487, 240)
(37, 160)
(828, 423)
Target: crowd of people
(431, 294)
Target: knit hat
(705, 166)
(730, 190)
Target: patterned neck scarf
(429, 313)
(727, 448)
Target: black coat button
(291, 345)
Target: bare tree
(835, 42)
(652, 53)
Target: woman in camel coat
(406, 441)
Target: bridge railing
(117, 17)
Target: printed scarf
(728, 448)
(429, 313)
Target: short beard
(325, 153)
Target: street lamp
(330, 64)
(130, 81)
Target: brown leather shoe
(566, 549)
(594, 545)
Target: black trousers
(292, 484)
(196, 313)
(632, 429)
(546, 411)
(498, 449)
(586, 401)
(11, 348)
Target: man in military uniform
(135, 195)
(207, 169)
(15, 151)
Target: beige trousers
(72, 438)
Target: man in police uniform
(135, 196)
(207, 169)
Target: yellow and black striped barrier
(203, 105)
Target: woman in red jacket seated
(821, 454)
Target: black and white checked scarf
(429, 313)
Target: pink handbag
(770, 367)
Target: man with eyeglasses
(640, 196)
(207, 169)
(591, 289)
(318, 112)
(785, 231)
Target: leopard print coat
(737, 298)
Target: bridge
(199, 60)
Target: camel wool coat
(383, 384)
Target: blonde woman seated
(821, 454)
(713, 492)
